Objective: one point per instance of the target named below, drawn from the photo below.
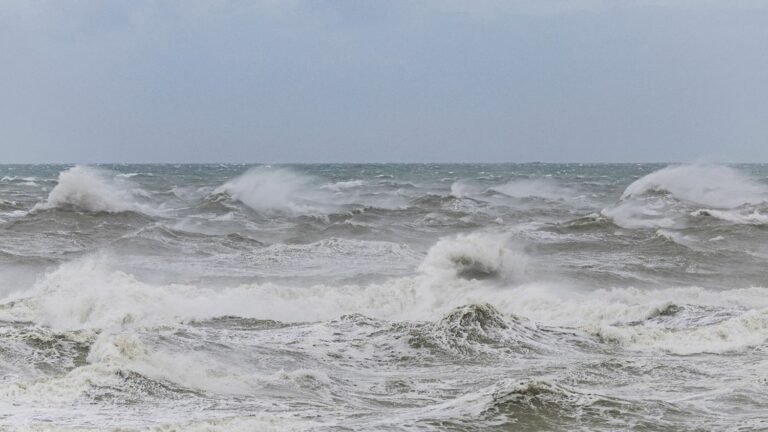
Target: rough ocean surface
(384, 297)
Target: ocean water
(384, 297)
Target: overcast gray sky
(383, 81)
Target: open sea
(384, 297)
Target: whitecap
(278, 190)
(94, 190)
(663, 199)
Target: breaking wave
(93, 190)
(666, 198)
(708, 185)
(277, 190)
(475, 256)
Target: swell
(530, 405)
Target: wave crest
(277, 190)
(664, 198)
(480, 329)
(710, 185)
(474, 256)
(91, 189)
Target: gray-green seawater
(471, 297)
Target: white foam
(126, 351)
(59, 390)
(260, 422)
(748, 217)
(24, 180)
(89, 293)
(746, 330)
(614, 315)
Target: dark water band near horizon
(462, 297)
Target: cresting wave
(277, 190)
(477, 255)
(284, 191)
(708, 185)
(668, 197)
(93, 190)
(531, 404)
(265, 189)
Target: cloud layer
(453, 80)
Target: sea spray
(667, 197)
(93, 190)
(278, 190)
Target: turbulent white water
(375, 297)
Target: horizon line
(394, 163)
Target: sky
(86, 81)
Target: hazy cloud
(367, 80)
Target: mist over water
(384, 297)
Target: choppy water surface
(384, 297)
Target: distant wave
(278, 190)
(537, 188)
(709, 185)
(519, 188)
(464, 188)
(344, 185)
(23, 181)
